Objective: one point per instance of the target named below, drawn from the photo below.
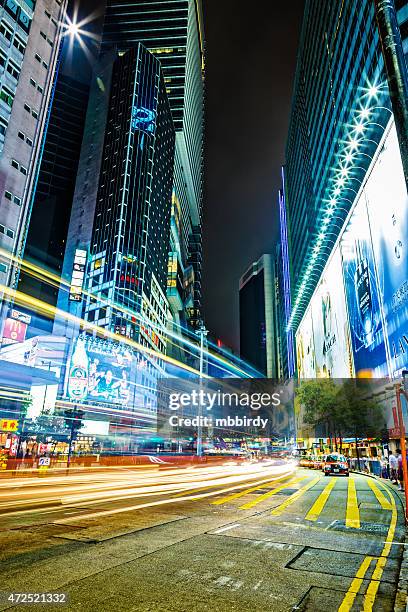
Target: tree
(319, 399)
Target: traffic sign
(44, 461)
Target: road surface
(228, 538)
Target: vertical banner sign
(78, 274)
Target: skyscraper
(30, 34)
(257, 315)
(130, 238)
(173, 32)
(344, 199)
(340, 72)
(55, 187)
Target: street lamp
(202, 333)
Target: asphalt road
(268, 540)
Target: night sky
(250, 64)
(250, 68)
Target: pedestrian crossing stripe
(352, 510)
(385, 504)
(225, 500)
(320, 502)
(262, 498)
(295, 496)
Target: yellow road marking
(352, 512)
(352, 593)
(371, 593)
(385, 504)
(261, 498)
(295, 496)
(372, 589)
(320, 502)
(224, 500)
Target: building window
(17, 200)
(45, 65)
(27, 108)
(8, 195)
(15, 164)
(34, 114)
(21, 135)
(9, 233)
(3, 126)
(19, 44)
(3, 267)
(38, 57)
(23, 170)
(40, 89)
(3, 59)
(44, 36)
(13, 70)
(32, 82)
(7, 96)
(47, 14)
(29, 142)
(6, 31)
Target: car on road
(335, 464)
(306, 462)
(317, 463)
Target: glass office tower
(173, 32)
(340, 72)
(130, 238)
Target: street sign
(8, 424)
(44, 461)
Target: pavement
(279, 542)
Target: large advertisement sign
(323, 339)
(305, 350)
(362, 294)
(387, 204)
(330, 325)
(100, 371)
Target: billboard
(14, 331)
(362, 295)
(323, 341)
(100, 371)
(387, 204)
(330, 325)
(305, 350)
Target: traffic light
(73, 420)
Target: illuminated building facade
(30, 34)
(130, 238)
(173, 32)
(347, 305)
(333, 79)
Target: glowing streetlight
(73, 29)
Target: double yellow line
(371, 592)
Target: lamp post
(202, 333)
(395, 67)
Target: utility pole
(396, 71)
(202, 332)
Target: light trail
(56, 281)
(90, 489)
